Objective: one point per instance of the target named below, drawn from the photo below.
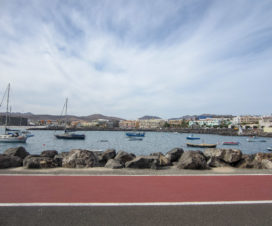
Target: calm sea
(152, 142)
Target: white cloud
(131, 59)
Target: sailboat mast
(7, 112)
(66, 118)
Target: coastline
(212, 131)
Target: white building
(151, 124)
(209, 122)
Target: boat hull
(135, 134)
(10, 139)
(201, 145)
(71, 136)
(231, 143)
(192, 138)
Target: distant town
(206, 121)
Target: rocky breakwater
(175, 158)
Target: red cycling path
(134, 189)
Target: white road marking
(138, 204)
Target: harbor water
(152, 142)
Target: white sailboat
(9, 137)
(67, 135)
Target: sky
(132, 58)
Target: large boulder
(39, 162)
(108, 154)
(49, 153)
(113, 164)
(256, 161)
(266, 164)
(174, 154)
(124, 157)
(143, 162)
(216, 162)
(156, 154)
(192, 160)
(18, 151)
(78, 158)
(59, 157)
(226, 155)
(7, 161)
(164, 161)
(260, 156)
(249, 161)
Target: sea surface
(152, 142)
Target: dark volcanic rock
(124, 157)
(192, 160)
(216, 162)
(226, 155)
(78, 158)
(39, 162)
(174, 154)
(256, 161)
(143, 162)
(108, 154)
(156, 154)
(248, 161)
(10, 161)
(58, 158)
(113, 164)
(18, 151)
(49, 153)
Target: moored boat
(192, 137)
(201, 145)
(11, 137)
(135, 134)
(68, 135)
(269, 149)
(231, 143)
(255, 139)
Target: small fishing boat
(191, 137)
(269, 149)
(135, 139)
(70, 136)
(231, 143)
(21, 132)
(135, 134)
(201, 145)
(255, 139)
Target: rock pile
(177, 157)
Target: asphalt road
(225, 215)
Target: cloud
(132, 58)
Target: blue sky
(135, 58)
